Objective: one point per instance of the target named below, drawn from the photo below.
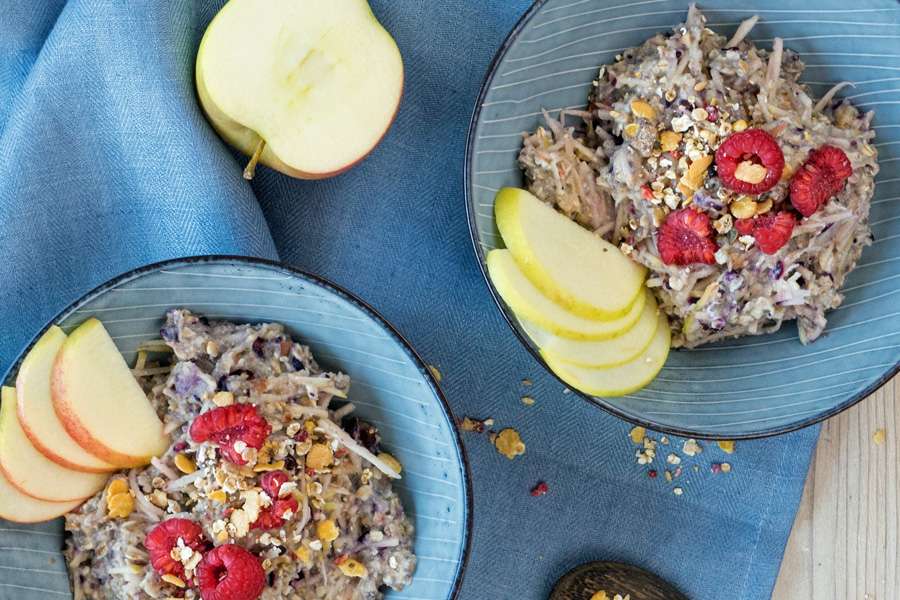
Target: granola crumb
(727, 446)
(677, 491)
(637, 434)
(435, 373)
(509, 443)
(476, 425)
(878, 437)
(691, 447)
(527, 400)
(526, 382)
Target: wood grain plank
(844, 541)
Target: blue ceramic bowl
(390, 385)
(752, 386)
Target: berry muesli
(265, 492)
(707, 161)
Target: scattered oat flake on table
(540, 489)
(691, 447)
(637, 434)
(476, 425)
(878, 437)
(509, 443)
(435, 373)
(727, 446)
(527, 400)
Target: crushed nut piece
(637, 434)
(750, 172)
(643, 110)
(509, 443)
(320, 456)
(691, 447)
(743, 208)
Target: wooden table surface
(844, 544)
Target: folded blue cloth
(106, 163)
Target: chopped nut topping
(750, 172)
(739, 125)
(509, 444)
(320, 456)
(643, 110)
(743, 208)
(223, 399)
(185, 464)
(669, 140)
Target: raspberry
(230, 572)
(272, 481)
(822, 176)
(757, 147)
(685, 238)
(276, 515)
(229, 424)
(833, 159)
(162, 538)
(772, 230)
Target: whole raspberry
(749, 162)
(822, 176)
(686, 237)
(276, 515)
(832, 158)
(230, 572)
(229, 424)
(162, 538)
(771, 231)
(272, 481)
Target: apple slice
(605, 353)
(36, 414)
(100, 403)
(622, 379)
(572, 266)
(530, 304)
(31, 472)
(306, 87)
(21, 508)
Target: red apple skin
(6, 476)
(79, 433)
(11, 508)
(60, 460)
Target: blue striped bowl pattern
(753, 386)
(390, 385)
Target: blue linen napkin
(106, 163)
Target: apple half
(306, 87)
(37, 415)
(31, 472)
(100, 403)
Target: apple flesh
(604, 353)
(31, 472)
(22, 508)
(572, 266)
(621, 379)
(529, 304)
(100, 403)
(306, 87)
(36, 413)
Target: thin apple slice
(100, 403)
(308, 87)
(36, 414)
(621, 379)
(604, 353)
(530, 304)
(31, 472)
(21, 508)
(572, 266)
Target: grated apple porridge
(267, 491)
(706, 160)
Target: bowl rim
(597, 401)
(465, 467)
